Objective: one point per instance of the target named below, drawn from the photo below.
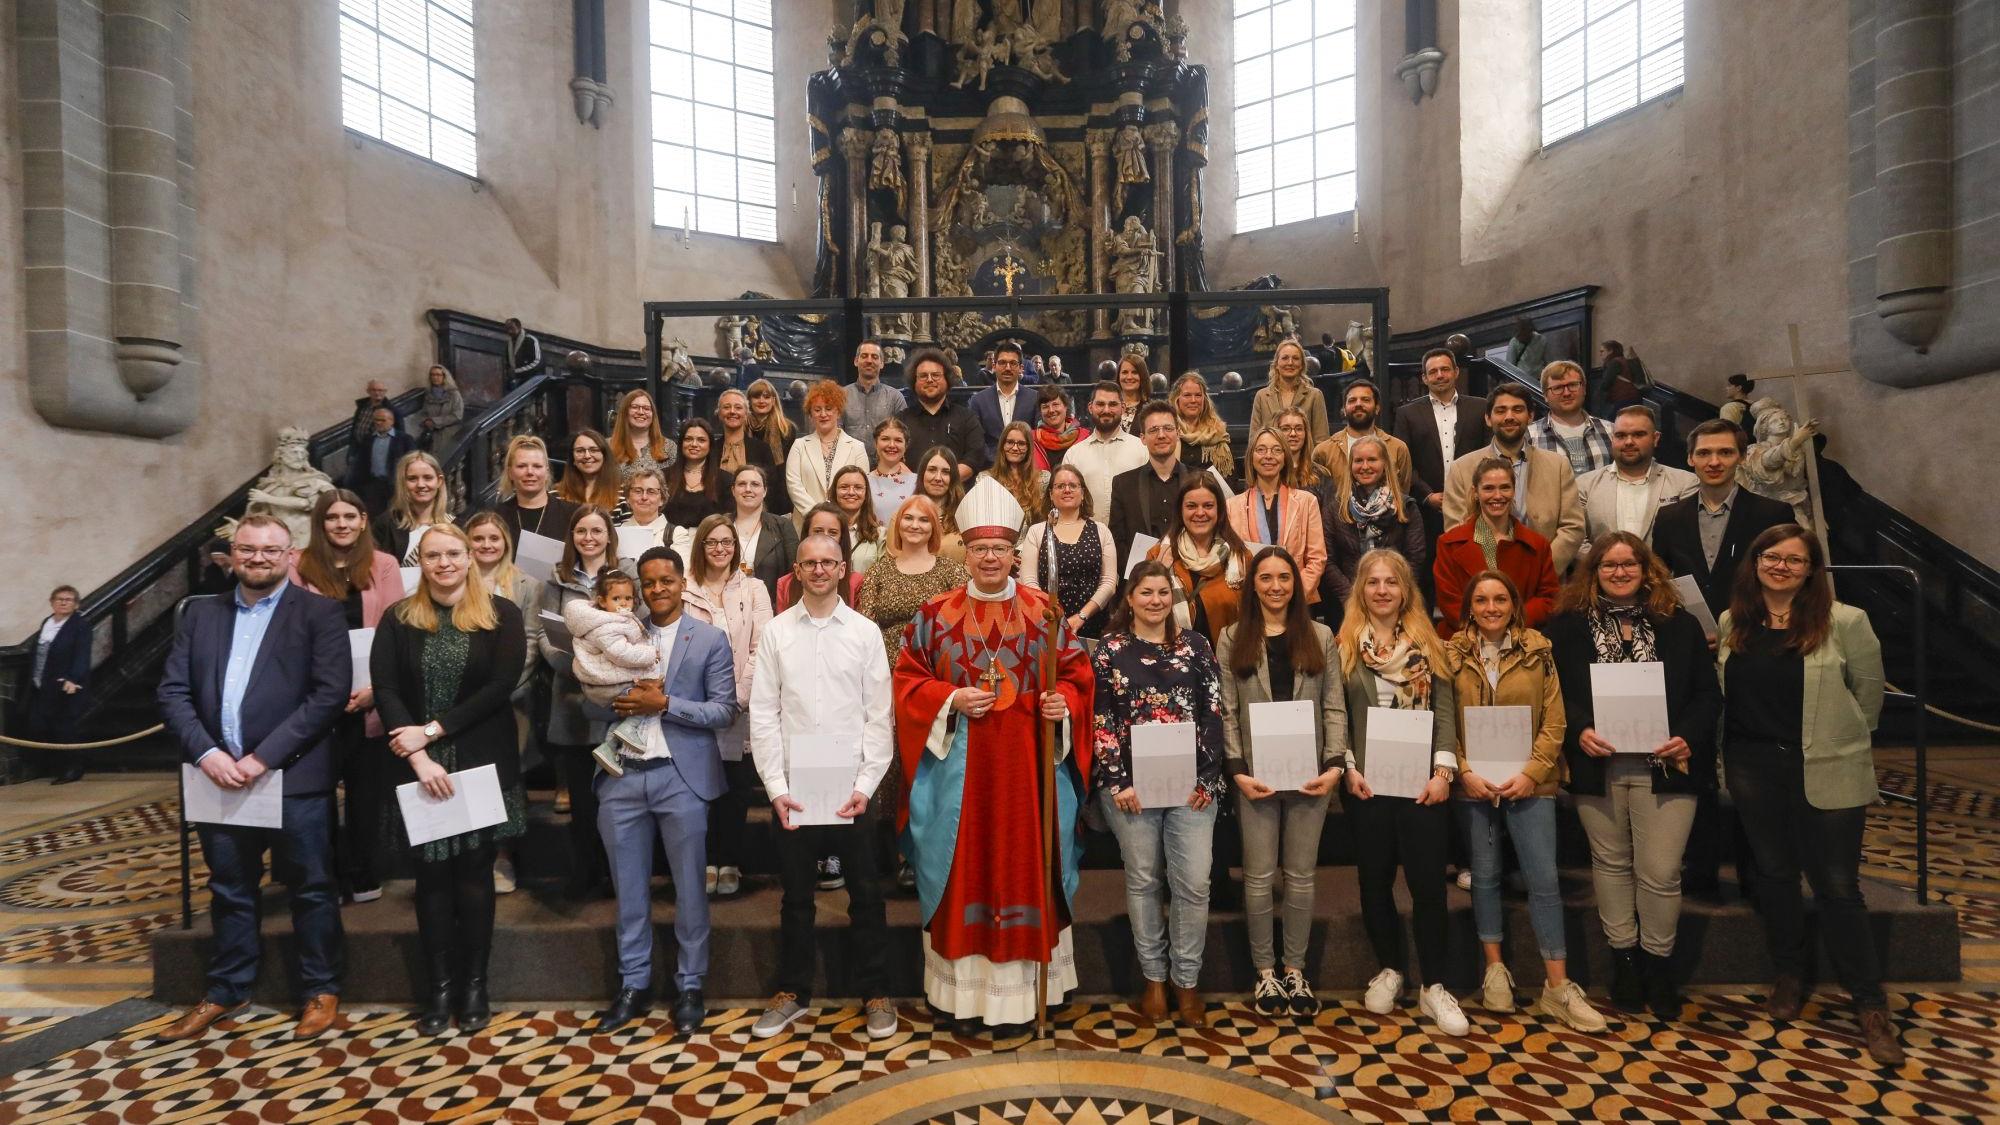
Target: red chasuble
(995, 892)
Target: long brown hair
(948, 504)
(474, 610)
(1515, 624)
(1305, 471)
(570, 558)
(1247, 650)
(865, 526)
(711, 465)
(841, 587)
(331, 570)
(1656, 589)
(1415, 619)
(600, 490)
(1121, 614)
(1812, 606)
(624, 449)
(1223, 530)
(1019, 481)
(698, 568)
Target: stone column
(917, 147)
(1913, 158)
(1164, 137)
(854, 149)
(1098, 141)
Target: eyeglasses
(443, 556)
(712, 544)
(1612, 567)
(1786, 562)
(989, 551)
(818, 564)
(243, 552)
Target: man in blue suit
(1004, 401)
(666, 790)
(254, 682)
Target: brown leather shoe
(1153, 1001)
(1878, 1031)
(197, 1020)
(1193, 1013)
(318, 1016)
(1788, 999)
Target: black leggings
(455, 912)
(729, 814)
(1389, 831)
(575, 771)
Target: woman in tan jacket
(1496, 661)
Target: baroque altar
(996, 148)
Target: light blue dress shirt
(252, 621)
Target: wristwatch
(1450, 775)
(433, 730)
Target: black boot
(476, 1012)
(435, 1018)
(1662, 998)
(1628, 981)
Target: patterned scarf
(1050, 445)
(1371, 512)
(1488, 540)
(1402, 665)
(1220, 562)
(1609, 640)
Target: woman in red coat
(1493, 540)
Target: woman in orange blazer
(1494, 540)
(1268, 511)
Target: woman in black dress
(697, 485)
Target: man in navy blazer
(59, 676)
(1004, 401)
(254, 683)
(666, 790)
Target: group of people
(759, 598)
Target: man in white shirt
(1001, 403)
(1568, 428)
(1626, 494)
(1108, 451)
(821, 679)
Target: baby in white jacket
(609, 653)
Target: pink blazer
(745, 610)
(385, 589)
(1299, 531)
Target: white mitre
(989, 511)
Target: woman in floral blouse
(1150, 671)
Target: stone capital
(1163, 135)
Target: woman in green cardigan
(1802, 687)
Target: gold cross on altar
(1009, 269)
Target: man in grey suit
(667, 789)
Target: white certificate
(1141, 543)
(413, 576)
(538, 556)
(1163, 764)
(1691, 597)
(1228, 493)
(475, 802)
(260, 804)
(1498, 741)
(556, 630)
(1284, 743)
(359, 644)
(1398, 751)
(820, 770)
(1629, 702)
(632, 542)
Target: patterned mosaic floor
(79, 895)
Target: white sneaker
(1383, 992)
(504, 882)
(708, 880)
(1442, 1008)
(728, 880)
(1496, 992)
(1566, 1002)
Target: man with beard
(1544, 487)
(936, 420)
(1628, 494)
(970, 704)
(291, 647)
(1108, 451)
(1003, 402)
(1360, 407)
(870, 401)
(1568, 428)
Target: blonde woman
(526, 504)
(442, 406)
(1296, 429)
(820, 455)
(721, 593)
(1366, 511)
(1288, 388)
(421, 501)
(1270, 511)
(1390, 657)
(493, 557)
(775, 432)
(1204, 435)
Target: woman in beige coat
(720, 592)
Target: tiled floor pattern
(79, 894)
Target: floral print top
(1141, 682)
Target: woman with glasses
(1293, 426)
(648, 526)
(588, 548)
(720, 593)
(1802, 687)
(1070, 555)
(1637, 803)
(1014, 469)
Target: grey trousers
(630, 810)
(1281, 830)
(1637, 838)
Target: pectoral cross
(1008, 270)
(989, 680)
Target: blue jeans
(1531, 822)
(1181, 841)
(652, 798)
(302, 858)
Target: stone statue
(1361, 343)
(732, 334)
(892, 271)
(1775, 464)
(676, 369)
(1135, 268)
(1130, 149)
(980, 55)
(288, 490)
(889, 17)
(885, 165)
(1031, 53)
(964, 22)
(1046, 16)
(948, 270)
(1275, 324)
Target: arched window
(1294, 113)
(714, 123)
(1603, 57)
(406, 77)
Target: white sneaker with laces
(1383, 992)
(1496, 991)
(1442, 1007)
(1567, 1002)
(1269, 995)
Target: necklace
(541, 513)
